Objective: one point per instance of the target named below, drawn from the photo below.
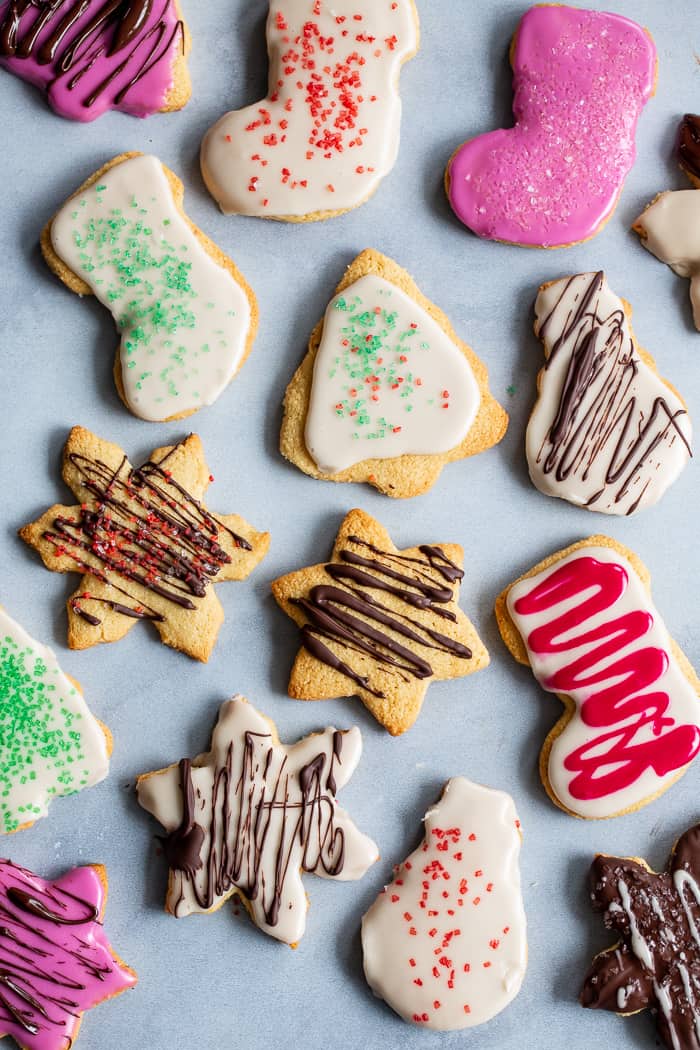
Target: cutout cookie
(584, 621)
(379, 623)
(580, 82)
(55, 958)
(656, 963)
(186, 315)
(145, 544)
(387, 393)
(670, 226)
(50, 743)
(445, 943)
(250, 816)
(328, 131)
(607, 432)
(94, 56)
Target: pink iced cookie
(580, 81)
(96, 55)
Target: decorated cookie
(656, 962)
(607, 432)
(55, 959)
(92, 56)
(50, 743)
(445, 943)
(580, 82)
(387, 393)
(145, 544)
(252, 815)
(328, 131)
(379, 623)
(670, 226)
(584, 621)
(186, 316)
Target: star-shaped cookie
(55, 959)
(251, 815)
(379, 623)
(656, 962)
(145, 543)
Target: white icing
(637, 941)
(587, 464)
(413, 972)
(31, 779)
(412, 393)
(681, 881)
(665, 1002)
(184, 320)
(683, 708)
(329, 130)
(671, 231)
(273, 789)
(623, 995)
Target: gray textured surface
(214, 982)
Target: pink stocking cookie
(580, 81)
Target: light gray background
(216, 982)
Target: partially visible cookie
(328, 131)
(584, 621)
(607, 432)
(445, 942)
(94, 56)
(656, 961)
(55, 958)
(689, 147)
(186, 315)
(379, 623)
(387, 393)
(50, 743)
(145, 544)
(250, 816)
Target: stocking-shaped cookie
(580, 81)
(657, 960)
(95, 55)
(145, 544)
(328, 132)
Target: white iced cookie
(388, 381)
(328, 132)
(445, 943)
(607, 433)
(670, 230)
(50, 743)
(252, 814)
(186, 317)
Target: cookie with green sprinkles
(186, 316)
(387, 393)
(50, 743)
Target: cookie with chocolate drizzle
(379, 623)
(146, 545)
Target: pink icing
(580, 81)
(672, 747)
(83, 85)
(52, 971)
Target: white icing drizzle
(329, 130)
(52, 744)
(670, 230)
(606, 432)
(682, 709)
(681, 880)
(184, 320)
(639, 945)
(271, 844)
(445, 943)
(388, 381)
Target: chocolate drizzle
(51, 33)
(657, 962)
(348, 616)
(599, 417)
(140, 526)
(253, 822)
(689, 145)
